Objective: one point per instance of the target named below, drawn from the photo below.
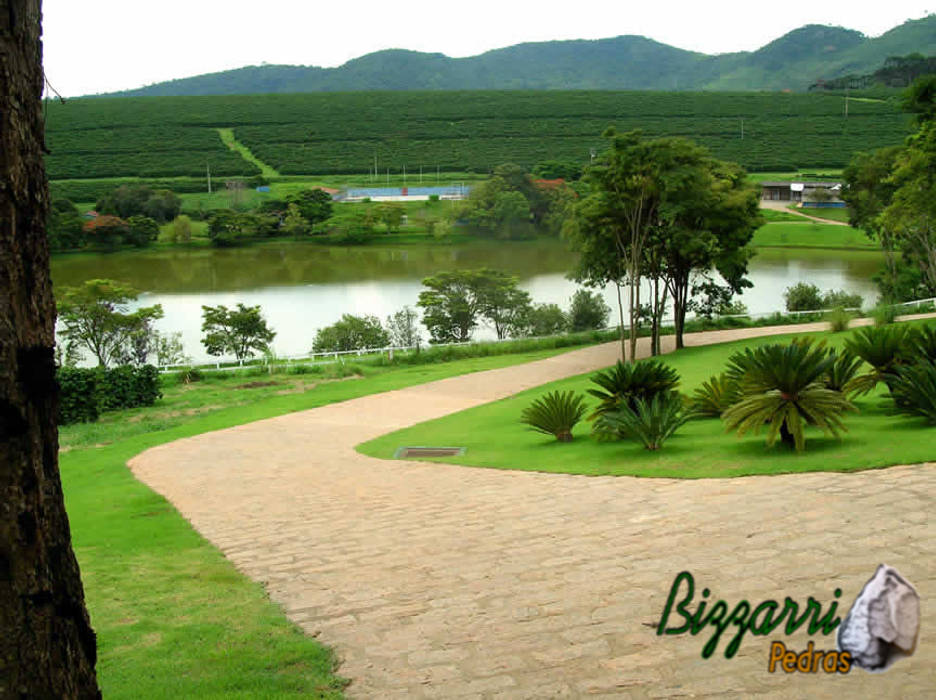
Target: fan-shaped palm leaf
(715, 395)
(629, 382)
(556, 414)
(652, 421)
(884, 348)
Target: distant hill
(794, 61)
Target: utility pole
(404, 176)
(208, 166)
(388, 176)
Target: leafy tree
(353, 227)
(803, 296)
(66, 226)
(558, 169)
(505, 306)
(351, 333)
(390, 214)
(240, 332)
(181, 230)
(403, 328)
(315, 205)
(105, 231)
(546, 319)
(96, 316)
(587, 312)
(294, 224)
(227, 227)
(169, 349)
(139, 200)
(920, 98)
(141, 231)
(450, 306)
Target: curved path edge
(442, 581)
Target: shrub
(884, 314)
(588, 311)
(715, 396)
(914, 390)
(846, 300)
(626, 383)
(77, 397)
(842, 371)
(783, 387)
(351, 333)
(803, 297)
(556, 414)
(923, 343)
(652, 421)
(882, 347)
(85, 393)
(839, 319)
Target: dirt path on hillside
(783, 206)
(440, 581)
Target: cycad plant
(914, 390)
(884, 348)
(843, 371)
(783, 387)
(923, 343)
(625, 383)
(652, 421)
(556, 414)
(715, 396)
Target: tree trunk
(47, 646)
(617, 283)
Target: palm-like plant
(626, 383)
(652, 421)
(715, 396)
(923, 343)
(556, 414)
(882, 347)
(843, 371)
(914, 390)
(783, 387)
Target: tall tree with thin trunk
(47, 646)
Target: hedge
(85, 393)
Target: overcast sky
(96, 46)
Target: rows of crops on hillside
(330, 133)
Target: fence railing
(228, 364)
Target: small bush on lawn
(783, 387)
(626, 383)
(882, 347)
(714, 396)
(843, 371)
(914, 390)
(556, 414)
(651, 421)
(838, 319)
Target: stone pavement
(439, 581)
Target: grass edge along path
(227, 136)
(701, 449)
(174, 618)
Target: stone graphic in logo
(883, 622)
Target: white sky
(105, 45)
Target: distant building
(809, 194)
(91, 214)
(402, 194)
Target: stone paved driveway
(440, 581)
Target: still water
(304, 287)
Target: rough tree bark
(47, 646)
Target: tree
(588, 311)
(47, 645)
(66, 226)
(139, 200)
(106, 231)
(240, 332)
(181, 230)
(227, 228)
(546, 319)
(351, 333)
(142, 230)
(403, 328)
(294, 224)
(314, 205)
(391, 215)
(96, 316)
(505, 306)
(450, 306)
(558, 169)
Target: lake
(304, 287)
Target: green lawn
(775, 215)
(811, 235)
(174, 618)
(494, 436)
(826, 213)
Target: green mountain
(794, 61)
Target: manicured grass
(174, 618)
(774, 215)
(826, 213)
(494, 436)
(811, 235)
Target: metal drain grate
(404, 452)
